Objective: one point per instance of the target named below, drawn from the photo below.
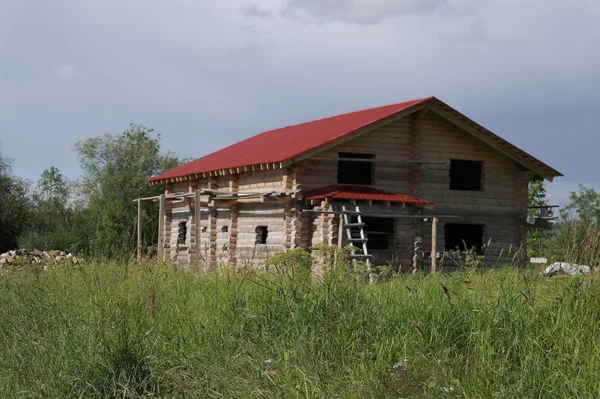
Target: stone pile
(564, 268)
(36, 257)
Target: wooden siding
(180, 212)
(249, 217)
(391, 142)
(397, 148)
(500, 206)
(261, 181)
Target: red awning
(360, 193)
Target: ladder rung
(348, 225)
(358, 239)
(360, 256)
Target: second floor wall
(420, 155)
(457, 172)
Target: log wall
(249, 217)
(500, 206)
(423, 136)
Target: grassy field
(121, 329)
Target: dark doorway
(465, 175)
(463, 236)
(355, 169)
(380, 232)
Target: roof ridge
(418, 100)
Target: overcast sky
(206, 74)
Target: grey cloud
(252, 49)
(361, 12)
(476, 34)
(206, 77)
(65, 71)
(255, 10)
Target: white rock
(567, 268)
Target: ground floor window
(380, 232)
(181, 233)
(262, 232)
(463, 236)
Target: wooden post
(198, 219)
(161, 227)
(433, 244)
(341, 231)
(139, 230)
(323, 208)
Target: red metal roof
(288, 142)
(362, 193)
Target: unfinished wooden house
(400, 182)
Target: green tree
(584, 206)
(537, 238)
(116, 169)
(14, 205)
(57, 221)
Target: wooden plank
(341, 231)
(434, 244)
(161, 227)
(198, 228)
(139, 230)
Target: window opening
(182, 233)
(355, 168)
(225, 229)
(262, 233)
(380, 232)
(463, 236)
(466, 175)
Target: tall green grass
(121, 329)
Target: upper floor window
(355, 168)
(466, 175)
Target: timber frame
(241, 215)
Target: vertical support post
(139, 230)
(198, 219)
(433, 244)
(323, 208)
(161, 227)
(341, 231)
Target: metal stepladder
(355, 234)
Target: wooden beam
(434, 245)
(161, 227)
(323, 208)
(341, 231)
(381, 161)
(233, 238)
(212, 228)
(198, 220)
(139, 231)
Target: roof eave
(516, 154)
